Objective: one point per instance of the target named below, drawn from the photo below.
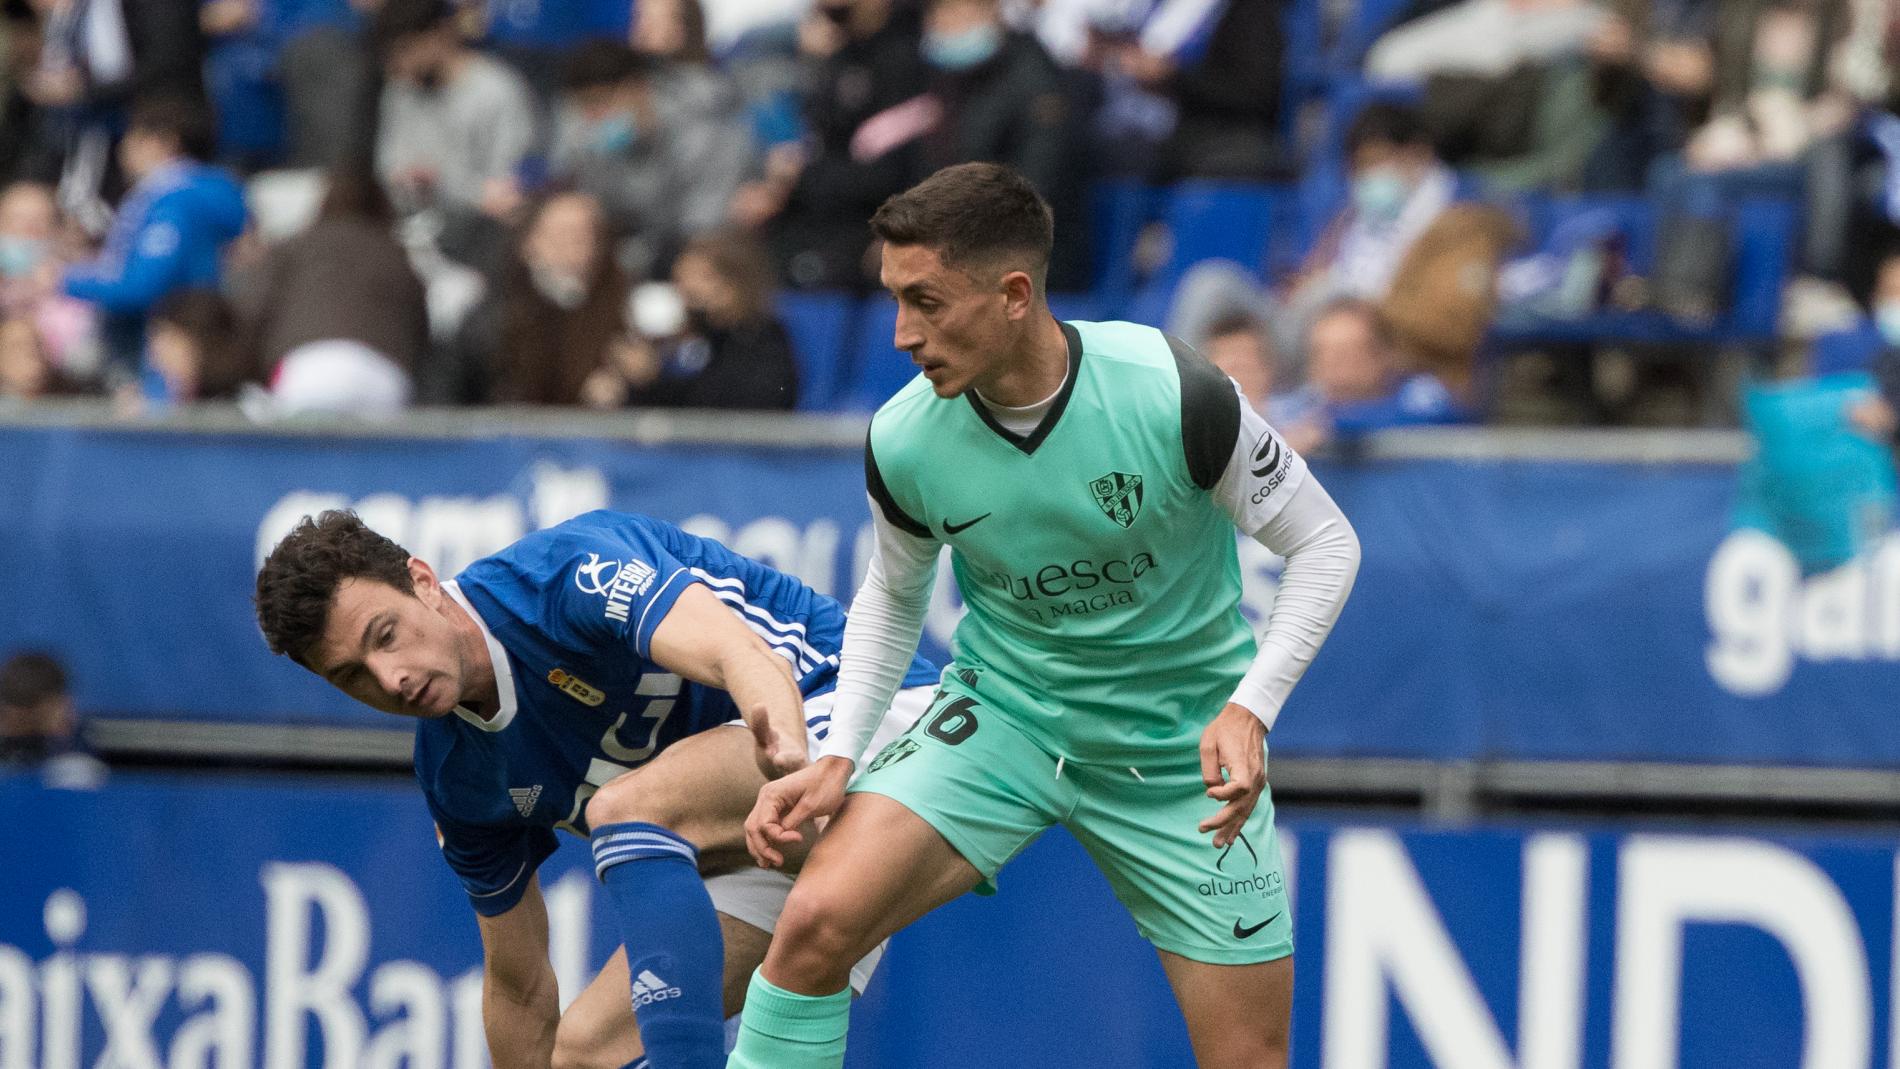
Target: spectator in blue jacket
(170, 231)
(1358, 382)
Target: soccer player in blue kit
(591, 677)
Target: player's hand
(1234, 744)
(779, 752)
(785, 805)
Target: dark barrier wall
(201, 924)
(1507, 609)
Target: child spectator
(170, 232)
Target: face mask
(1780, 80)
(1380, 195)
(1887, 318)
(963, 50)
(19, 256)
(614, 134)
(565, 291)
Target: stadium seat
(1082, 306)
(877, 370)
(1119, 209)
(820, 325)
(1210, 220)
(1762, 236)
(1370, 19)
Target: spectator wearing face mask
(1403, 242)
(863, 114)
(32, 246)
(558, 311)
(998, 97)
(728, 351)
(663, 154)
(455, 124)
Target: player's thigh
(937, 811)
(877, 868)
(701, 787)
(1219, 906)
(598, 1030)
(1236, 1014)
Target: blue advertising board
(1505, 609)
(208, 924)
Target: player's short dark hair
(186, 121)
(1385, 123)
(298, 582)
(971, 214)
(398, 20)
(602, 65)
(31, 679)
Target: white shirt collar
(504, 675)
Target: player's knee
(816, 941)
(576, 1048)
(624, 801)
(1248, 1050)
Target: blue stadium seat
(1211, 220)
(1219, 221)
(1082, 306)
(1119, 208)
(1762, 236)
(820, 325)
(1370, 19)
(877, 369)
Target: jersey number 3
(661, 691)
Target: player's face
(393, 651)
(960, 330)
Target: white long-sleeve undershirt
(1298, 521)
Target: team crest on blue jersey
(577, 689)
(1119, 494)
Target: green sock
(780, 1030)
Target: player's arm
(1300, 522)
(520, 999)
(702, 640)
(880, 638)
(1265, 487)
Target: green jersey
(1099, 574)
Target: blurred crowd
(360, 205)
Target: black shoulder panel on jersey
(893, 513)
(1210, 415)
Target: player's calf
(649, 829)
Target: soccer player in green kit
(1088, 478)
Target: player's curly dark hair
(972, 214)
(299, 579)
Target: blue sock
(638, 1063)
(674, 951)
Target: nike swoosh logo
(1249, 933)
(958, 528)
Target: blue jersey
(568, 615)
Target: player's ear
(423, 581)
(1019, 294)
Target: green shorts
(990, 789)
